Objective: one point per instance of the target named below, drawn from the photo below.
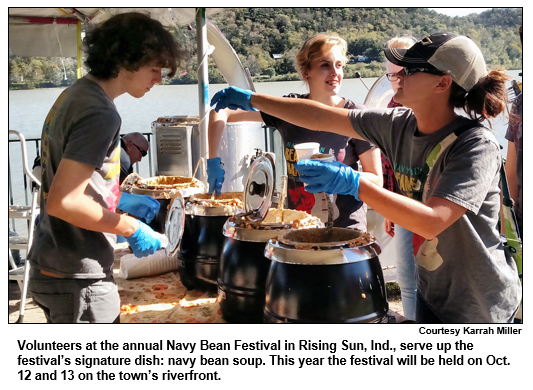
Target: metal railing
(26, 186)
(26, 183)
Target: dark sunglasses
(143, 152)
(410, 71)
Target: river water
(28, 109)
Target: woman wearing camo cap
(448, 166)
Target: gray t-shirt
(463, 273)
(83, 125)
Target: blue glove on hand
(329, 177)
(215, 175)
(144, 241)
(233, 98)
(140, 206)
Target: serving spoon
(331, 202)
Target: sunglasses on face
(143, 152)
(410, 71)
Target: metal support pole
(150, 169)
(11, 201)
(203, 83)
(78, 49)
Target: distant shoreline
(257, 80)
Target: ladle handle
(252, 213)
(331, 203)
(282, 195)
(283, 191)
(197, 165)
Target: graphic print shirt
(349, 212)
(463, 273)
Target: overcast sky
(459, 11)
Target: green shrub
(270, 72)
(393, 290)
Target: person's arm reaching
(306, 113)
(510, 173)
(67, 201)
(215, 129)
(301, 112)
(511, 163)
(372, 169)
(425, 219)
(217, 123)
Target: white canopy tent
(56, 32)
(32, 31)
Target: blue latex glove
(140, 206)
(144, 241)
(215, 175)
(233, 98)
(329, 177)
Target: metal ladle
(282, 196)
(200, 161)
(358, 76)
(331, 202)
(203, 161)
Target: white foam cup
(306, 150)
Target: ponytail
(487, 99)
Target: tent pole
(78, 48)
(203, 83)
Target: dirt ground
(32, 313)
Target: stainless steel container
(177, 149)
(236, 150)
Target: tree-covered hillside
(260, 34)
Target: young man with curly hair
(71, 275)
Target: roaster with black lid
(202, 241)
(243, 266)
(324, 276)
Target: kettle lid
(174, 224)
(258, 190)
